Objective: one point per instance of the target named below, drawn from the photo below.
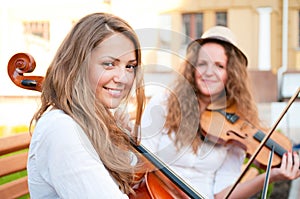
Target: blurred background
(267, 31)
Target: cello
(158, 180)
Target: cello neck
(171, 175)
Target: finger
(289, 164)
(284, 161)
(296, 162)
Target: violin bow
(266, 182)
(292, 99)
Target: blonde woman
(213, 76)
(78, 148)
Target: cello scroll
(22, 63)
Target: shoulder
(54, 120)
(58, 133)
(57, 117)
(55, 127)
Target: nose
(120, 75)
(207, 70)
(210, 69)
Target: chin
(112, 104)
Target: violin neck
(279, 150)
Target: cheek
(197, 77)
(98, 78)
(130, 80)
(197, 74)
(223, 77)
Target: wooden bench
(13, 159)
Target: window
(299, 29)
(165, 31)
(37, 28)
(192, 26)
(221, 18)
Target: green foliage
(19, 129)
(11, 130)
(260, 171)
(13, 176)
(4, 131)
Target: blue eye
(108, 65)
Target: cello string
(292, 99)
(168, 172)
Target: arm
(287, 171)
(69, 164)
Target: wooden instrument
(225, 126)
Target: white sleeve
(153, 120)
(230, 169)
(70, 166)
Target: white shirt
(63, 164)
(212, 169)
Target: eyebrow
(116, 59)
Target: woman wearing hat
(213, 76)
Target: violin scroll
(22, 63)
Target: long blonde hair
(181, 103)
(66, 86)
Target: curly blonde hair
(66, 86)
(182, 105)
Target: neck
(205, 101)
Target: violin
(262, 145)
(158, 181)
(226, 126)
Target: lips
(206, 81)
(114, 92)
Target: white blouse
(62, 162)
(212, 169)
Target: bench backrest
(13, 160)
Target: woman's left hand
(289, 168)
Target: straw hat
(221, 33)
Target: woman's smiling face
(112, 69)
(211, 69)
